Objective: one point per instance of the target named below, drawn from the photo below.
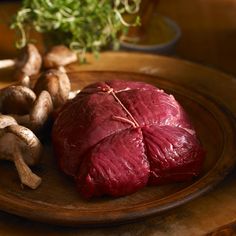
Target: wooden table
(209, 36)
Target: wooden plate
(205, 94)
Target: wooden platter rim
(9, 204)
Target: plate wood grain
(210, 108)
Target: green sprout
(83, 25)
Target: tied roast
(116, 137)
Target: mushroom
(6, 121)
(56, 83)
(16, 99)
(27, 64)
(20, 145)
(42, 109)
(39, 114)
(58, 57)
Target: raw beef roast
(116, 137)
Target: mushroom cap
(30, 60)
(56, 83)
(6, 121)
(59, 55)
(20, 136)
(16, 99)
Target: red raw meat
(116, 137)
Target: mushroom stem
(24, 80)
(41, 111)
(7, 63)
(62, 69)
(27, 177)
(72, 94)
(6, 121)
(39, 114)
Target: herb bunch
(83, 25)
